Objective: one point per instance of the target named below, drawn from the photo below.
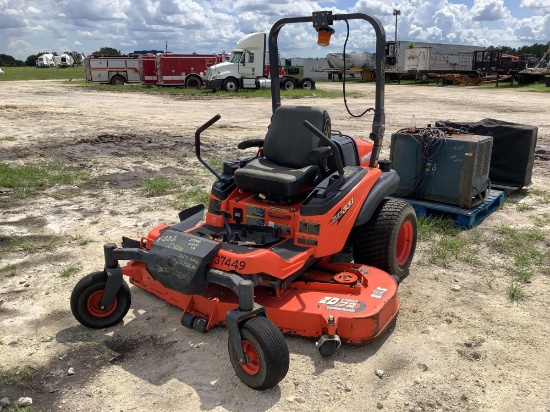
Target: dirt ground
(465, 350)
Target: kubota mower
(266, 259)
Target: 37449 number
(229, 263)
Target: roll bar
(324, 19)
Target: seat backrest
(288, 141)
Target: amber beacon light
(321, 22)
(323, 36)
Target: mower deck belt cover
(178, 260)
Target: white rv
(66, 60)
(46, 60)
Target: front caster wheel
(266, 351)
(86, 298)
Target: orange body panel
(364, 150)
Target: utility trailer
(453, 58)
(443, 56)
(115, 70)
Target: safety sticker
(378, 292)
(342, 305)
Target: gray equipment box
(452, 169)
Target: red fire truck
(169, 69)
(112, 69)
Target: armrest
(251, 143)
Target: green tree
(31, 60)
(108, 51)
(9, 61)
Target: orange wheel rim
(93, 305)
(253, 365)
(404, 243)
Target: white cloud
(208, 26)
(534, 29)
(535, 4)
(489, 10)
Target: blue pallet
(465, 218)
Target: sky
(214, 26)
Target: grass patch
(81, 240)
(215, 163)
(429, 228)
(523, 275)
(16, 377)
(191, 197)
(523, 207)
(70, 269)
(29, 244)
(520, 253)
(515, 292)
(42, 73)
(8, 139)
(11, 270)
(158, 186)
(17, 408)
(532, 87)
(543, 196)
(242, 93)
(28, 179)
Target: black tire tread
(88, 281)
(371, 240)
(274, 348)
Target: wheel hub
(253, 365)
(404, 243)
(96, 309)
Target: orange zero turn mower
(299, 238)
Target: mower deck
(355, 302)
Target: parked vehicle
(115, 70)
(169, 69)
(247, 69)
(46, 60)
(66, 60)
(404, 57)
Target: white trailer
(436, 59)
(66, 60)
(397, 52)
(112, 69)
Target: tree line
(537, 49)
(9, 61)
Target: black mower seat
(285, 170)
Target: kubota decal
(342, 305)
(341, 212)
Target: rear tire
(388, 240)
(117, 81)
(85, 299)
(267, 352)
(307, 84)
(193, 82)
(287, 84)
